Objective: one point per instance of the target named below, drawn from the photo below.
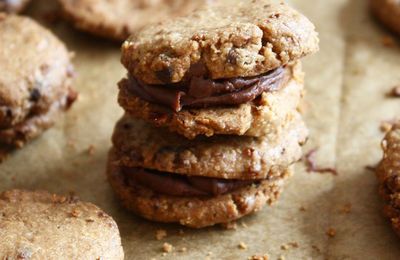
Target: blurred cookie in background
(388, 12)
(13, 6)
(40, 225)
(117, 19)
(35, 80)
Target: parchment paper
(346, 85)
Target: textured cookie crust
(35, 72)
(117, 19)
(195, 212)
(13, 6)
(40, 225)
(388, 12)
(138, 144)
(388, 174)
(260, 117)
(231, 38)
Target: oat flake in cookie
(388, 173)
(217, 71)
(13, 6)
(40, 225)
(117, 19)
(35, 80)
(388, 12)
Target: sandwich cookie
(117, 19)
(216, 71)
(388, 173)
(194, 202)
(388, 12)
(40, 225)
(35, 80)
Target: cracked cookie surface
(40, 225)
(243, 39)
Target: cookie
(258, 117)
(226, 40)
(193, 211)
(40, 225)
(13, 6)
(138, 144)
(35, 83)
(388, 173)
(117, 19)
(388, 12)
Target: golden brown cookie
(138, 144)
(229, 39)
(40, 225)
(388, 12)
(13, 6)
(259, 117)
(194, 211)
(35, 79)
(117, 19)
(388, 173)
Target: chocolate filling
(199, 92)
(180, 185)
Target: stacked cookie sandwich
(211, 125)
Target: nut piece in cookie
(217, 72)
(388, 173)
(117, 19)
(40, 225)
(388, 12)
(13, 6)
(35, 80)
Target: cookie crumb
(302, 208)
(242, 246)
(258, 257)
(281, 257)
(346, 209)
(244, 225)
(386, 125)
(209, 253)
(294, 244)
(183, 249)
(394, 92)
(167, 248)
(284, 247)
(91, 149)
(388, 41)
(331, 232)
(160, 234)
(311, 165)
(230, 225)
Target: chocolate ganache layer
(180, 185)
(198, 91)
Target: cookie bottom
(33, 126)
(388, 12)
(195, 211)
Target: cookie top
(35, 69)
(40, 225)
(117, 19)
(229, 39)
(388, 11)
(388, 173)
(13, 6)
(138, 144)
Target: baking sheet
(345, 103)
